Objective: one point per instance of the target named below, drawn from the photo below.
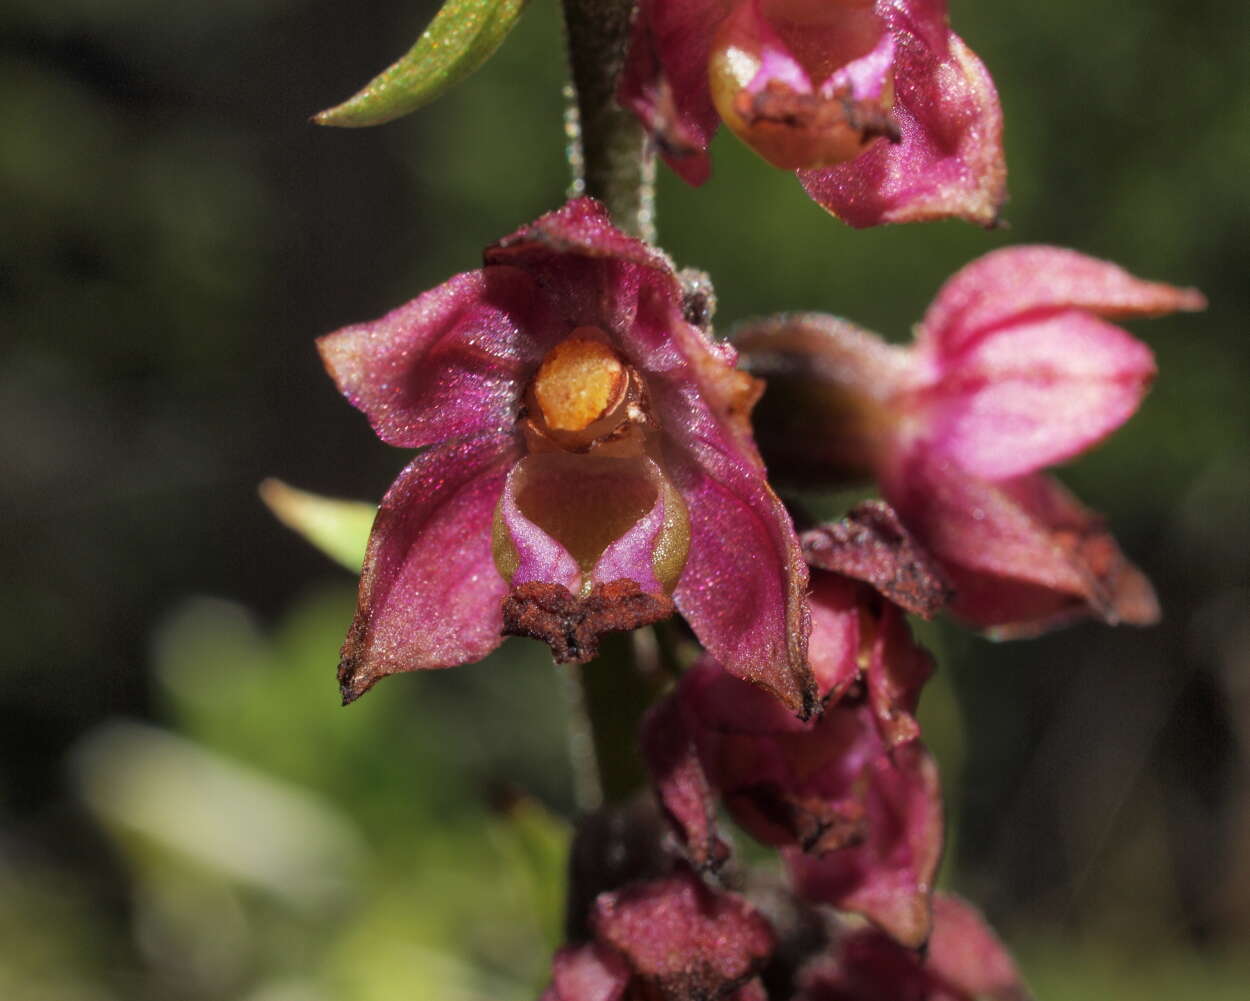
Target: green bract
(339, 528)
(462, 36)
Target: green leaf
(462, 36)
(536, 843)
(339, 528)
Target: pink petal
(429, 591)
(834, 646)
(888, 877)
(680, 785)
(949, 163)
(590, 972)
(1024, 555)
(965, 954)
(744, 589)
(897, 670)
(581, 227)
(777, 63)
(1037, 392)
(633, 555)
(717, 700)
(681, 938)
(539, 557)
(745, 583)
(665, 83)
(449, 364)
(871, 545)
(1019, 283)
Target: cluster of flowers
(589, 463)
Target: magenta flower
(852, 799)
(668, 939)
(964, 961)
(1013, 369)
(884, 112)
(587, 464)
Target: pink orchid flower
(1014, 368)
(586, 465)
(667, 939)
(884, 112)
(852, 799)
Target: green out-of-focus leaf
(339, 528)
(462, 36)
(536, 843)
(220, 814)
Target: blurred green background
(185, 811)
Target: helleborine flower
(859, 821)
(852, 798)
(1013, 369)
(587, 464)
(668, 939)
(964, 961)
(884, 112)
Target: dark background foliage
(174, 234)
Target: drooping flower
(852, 799)
(964, 961)
(587, 465)
(667, 939)
(884, 112)
(1013, 369)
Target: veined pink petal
(1024, 283)
(429, 591)
(950, 160)
(665, 83)
(451, 363)
(1037, 392)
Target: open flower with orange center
(587, 467)
(884, 112)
